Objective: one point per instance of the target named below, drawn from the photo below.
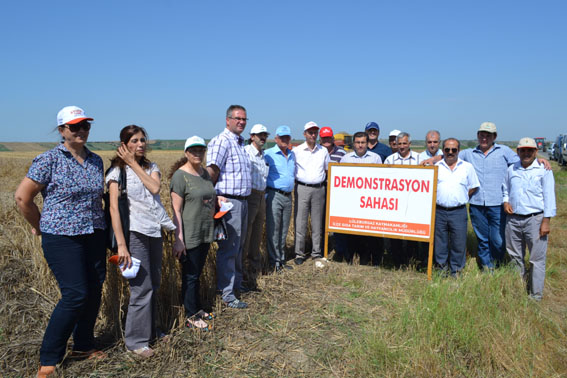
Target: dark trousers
(191, 266)
(402, 251)
(369, 248)
(450, 239)
(79, 266)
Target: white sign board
(382, 200)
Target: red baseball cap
(326, 132)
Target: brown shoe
(45, 371)
(93, 354)
(143, 352)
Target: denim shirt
(491, 172)
(72, 193)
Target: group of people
(510, 196)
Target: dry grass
(337, 321)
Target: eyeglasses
(239, 119)
(451, 150)
(79, 126)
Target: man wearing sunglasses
(456, 182)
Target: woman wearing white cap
(147, 217)
(193, 200)
(71, 180)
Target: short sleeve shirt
(198, 195)
(453, 185)
(311, 165)
(146, 209)
(491, 171)
(72, 193)
(226, 151)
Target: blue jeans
(489, 224)
(79, 266)
(229, 254)
(192, 265)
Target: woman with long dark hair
(147, 217)
(71, 180)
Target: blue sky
(175, 66)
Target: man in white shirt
(456, 183)
(404, 154)
(311, 161)
(369, 248)
(432, 140)
(401, 250)
(251, 261)
(529, 202)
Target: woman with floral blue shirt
(71, 180)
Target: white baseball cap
(259, 128)
(394, 132)
(489, 127)
(71, 115)
(310, 125)
(527, 143)
(194, 141)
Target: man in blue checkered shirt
(229, 167)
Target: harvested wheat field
(335, 321)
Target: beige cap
(527, 143)
(489, 127)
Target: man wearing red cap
(336, 153)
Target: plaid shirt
(258, 166)
(226, 151)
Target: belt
(528, 215)
(450, 208)
(280, 191)
(241, 198)
(319, 185)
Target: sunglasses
(79, 126)
(451, 150)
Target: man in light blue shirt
(280, 183)
(432, 140)
(369, 248)
(490, 161)
(529, 201)
(456, 182)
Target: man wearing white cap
(392, 140)
(311, 161)
(529, 202)
(229, 168)
(251, 261)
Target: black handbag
(123, 209)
